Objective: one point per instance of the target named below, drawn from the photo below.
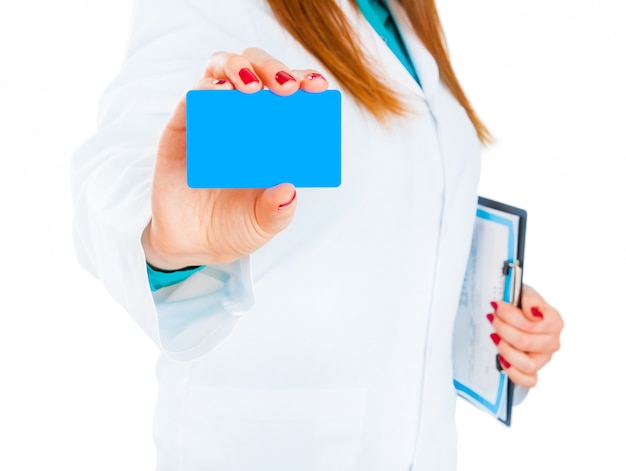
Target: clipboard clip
(515, 271)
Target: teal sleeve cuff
(160, 279)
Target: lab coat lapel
(378, 49)
(425, 64)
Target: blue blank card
(236, 140)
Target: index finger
(275, 75)
(236, 68)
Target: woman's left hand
(526, 338)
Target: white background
(77, 386)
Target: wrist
(162, 258)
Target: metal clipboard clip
(515, 271)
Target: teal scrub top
(379, 17)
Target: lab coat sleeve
(169, 44)
(519, 394)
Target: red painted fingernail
(536, 312)
(494, 305)
(496, 338)
(219, 82)
(247, 76)
(315, 76)
(504, 363)
(288, 203)
(490, 318)
(283, 77)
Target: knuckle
(233, 61)
(512, 314)
(524, 365)
(269, 64)
(262, 60)
(214, 58)
(252, 50)
(216, 55)
(525, 342)
(529, 367)
(531, 381)
(560, 324)
(526, 381)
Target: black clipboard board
(521, 243)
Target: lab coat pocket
(303, 429)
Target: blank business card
(236, 140)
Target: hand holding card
(251, 151)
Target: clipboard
(494, 271)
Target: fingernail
(288, 203)
(494, 305)
(315, 76)
(282, 77)
(536, 312)
(490, 318)
(247, 76)
(504, 363)
(496, 338)
(219, 82)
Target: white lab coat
(329, 348)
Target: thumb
(172, 145)
(275, 208)
(533, 305)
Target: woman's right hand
(206, 226)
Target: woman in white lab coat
(316, 338)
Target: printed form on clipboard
(494, 272)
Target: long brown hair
(322, 28)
